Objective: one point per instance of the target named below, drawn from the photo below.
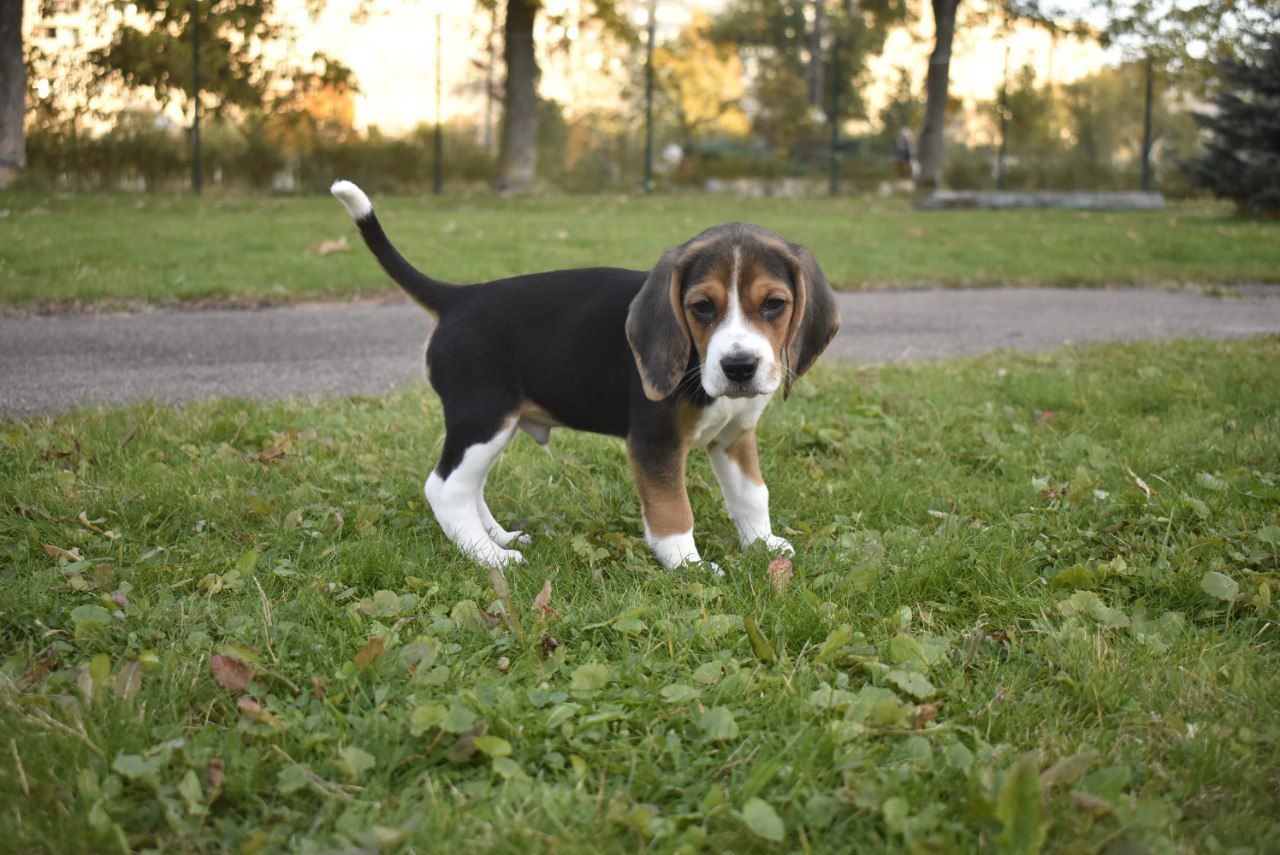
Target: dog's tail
(433, 294)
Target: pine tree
(1241, 159)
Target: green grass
(173, 248)
(1002, 571)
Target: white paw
(495, 558)
(773, 543)
(713, 567)
(504, 538)
(779, 545)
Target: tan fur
(744, 452)
(754, 287)
(664, 501)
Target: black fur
(568, 341)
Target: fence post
(647, 186)
(437, 166)
(833, 156)
(1146, 125)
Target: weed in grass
(1032, 605)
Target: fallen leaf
(40, 668)
(1088, 802)
(548, 645)
(718, 724)
(542, 603)
(1220, 585)
(328, 247)
(216, 775)
(761, 818)
(231, 674)
(926, 713)
(780, 571)
(370, 653)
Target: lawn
(173, 248)
(1033, 600)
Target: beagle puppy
(684, 356)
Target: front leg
(658, 468)
(737, 468)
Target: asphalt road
(49, 364)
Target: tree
(932, 142)
(518, 142)
(1241, 159)
(1180, 40)
(152, 50)
(701, 82)
(13, 92)
(787, 39)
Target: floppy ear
(656, 329)
(814, 321)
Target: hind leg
(455, 489)
(499, 535)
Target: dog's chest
(726, 418)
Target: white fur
(459, 506)
(724, 419)
(353, 199)
(747, 502)
(674, 549)
(737, 337)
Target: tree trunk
(933, 128)
(518, 147)
(13, 92)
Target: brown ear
(814, 321)
(656, 329)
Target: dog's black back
(557, 339)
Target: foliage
(700, 81)
(774, 35)
(1241, 159)
(151, 49)
(1083, 135)
(233, 625)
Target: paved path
(53, 363)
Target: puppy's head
(748, 309)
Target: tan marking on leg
(744, 452)
(664, 500)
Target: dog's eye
(773, 306)
(703, 310)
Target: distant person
(904, 155)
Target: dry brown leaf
(926, 713)
(328, 247)
(370, 652)
(542, 602)
(231, 674)
(1088, 802)
(40, 668)
(780, 572)
(216, 774)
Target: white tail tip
(352, 198)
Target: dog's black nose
(739, 369)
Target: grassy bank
(1034, 600)
(127, 247)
